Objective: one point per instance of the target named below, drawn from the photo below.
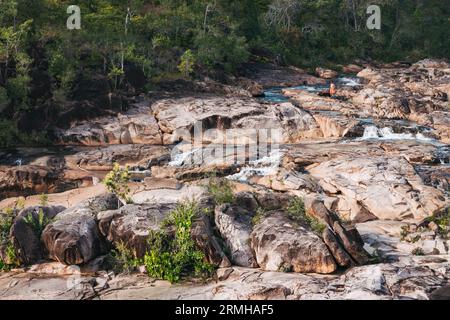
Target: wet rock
(74, 237)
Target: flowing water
(275, 95)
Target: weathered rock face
(277, 76)
(136, 126)
(103, 159)
(25, 232)
(235, 226)
(326, 73)
(351, 68)
(280, 245)
(131, 224)
(34, 179)
(74, 238)
(360, 183)
(202, 233)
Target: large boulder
(74, 238)
(132, 224)
(26, 231)
(326, 73)
(235, 226)
(282, 245)
(360, 183)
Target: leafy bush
(4, 100)
(171, 258)
(443, 222)
(43, 200)
(6, 221)
(260, 214)
(296, 212)
(116, 181)
(186, 66)
(221, 190)
(122, 259)
(418, 252)
(37, 225)
(11, 136)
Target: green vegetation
(123, 260)
(162, 38)
(260, 214)
(37, 225)
(116, 181)
(43, 200)
(186, 66)
(443, 222)
(221, 190)
(172, 257)
(417, 252)
(296, 212)
(6, 221)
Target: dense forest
(129, 45)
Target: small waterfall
(261, 167)
(349, 81)
(183, 158)
(386, 133)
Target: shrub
(6, 221)
(418, 252)
(260, 214)
(221, 190)
(171, 258)
(443, 221)
(116, 181)
(296, 212)
(186, 66)
(43, 200)
(37, 225)
(123, 260)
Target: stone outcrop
(26, 231)
(281, 245)
(74, 237)
(235, 226)
(326, 73)
(360, 183)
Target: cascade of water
(261, 167)
(386, 133)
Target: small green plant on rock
(297, 212)
(260, 214)
(38, 224)
(172, 257)
(221, 190)
(116, 181)
(443, 222)
(418, 252)
(43, 200)
(123, 260)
